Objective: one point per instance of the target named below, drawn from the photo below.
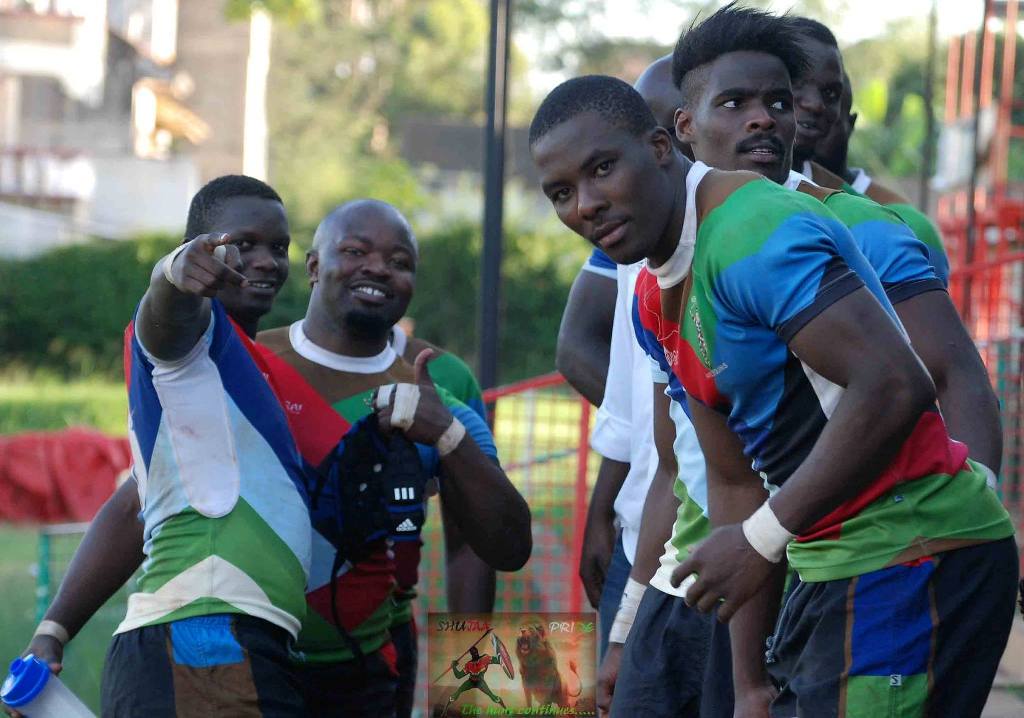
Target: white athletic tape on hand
(451, 438)
(384, 395)
(628, 605)
(168, 261)
(54, 629)
(767, 536)
(407, 398)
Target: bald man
(332, 368)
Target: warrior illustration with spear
(475, 667)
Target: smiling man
(798, 376)
(329, 367)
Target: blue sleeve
(898, 257)
(600, 263)
(799, 270)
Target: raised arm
(585, 335)
(175, 310)
(490, 513)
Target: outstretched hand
(209, 263)
(728, 569)
(432, 417)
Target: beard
(369, 325)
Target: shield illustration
(501, 652)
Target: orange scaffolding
(982, 220)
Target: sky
(856, 20)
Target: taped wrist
(54, 629)
(169, 260)
(451, 438)
(766, 535)
(626, 614)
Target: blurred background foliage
(339, 92)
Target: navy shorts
(664, 661)
(915, 640)
(219, 665)
(351, 689)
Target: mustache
(764, 141)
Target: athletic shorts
(352, 689)
(404, 637)
(218, 665)
(664, 660)
(912, 640)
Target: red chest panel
(478, 667)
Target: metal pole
(494, 184)
(972, 187)
(928, 161)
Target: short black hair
(203, 209)
(814, 30)
(734, 29)
(614, 100)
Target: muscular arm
(585, 334)
(471, 582)
(109, 554)
(854, 344)
(734, 493)
(599, 536)
(968, 403)
(661, 504)
(172, 317)
(491, 514)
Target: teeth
(370, 291)
(261, 285)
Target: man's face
(743, 117)
(831, 150)
(607, 185)
(365, 272)
(816, 97)
(259, 228)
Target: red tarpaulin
(60, 476)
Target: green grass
(83, 660)
(39, 404)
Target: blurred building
(114, 112)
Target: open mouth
(810, 129)
(766, 155)
(370, 294)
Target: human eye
(560, 195)
(730, 104)
(604, 168)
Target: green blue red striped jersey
(324, 394)
(765, 262)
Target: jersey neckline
(308, 349)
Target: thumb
(420, 367)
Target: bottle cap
(25, 682)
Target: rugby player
(823, 101)
(751, 282)
(362, 267)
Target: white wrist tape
(990, 476)
(451, 438)
(767, 536)
(626, 614)
(54, 629)
(407, 398)
(169, 260)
